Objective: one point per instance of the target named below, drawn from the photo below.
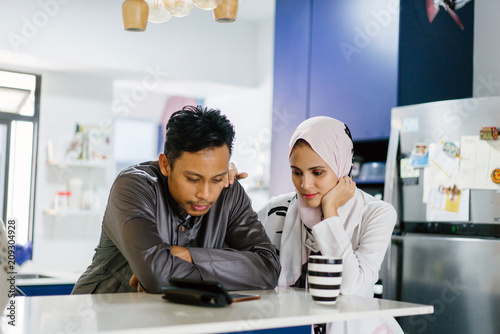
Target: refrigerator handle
(394, 269)
(391, 189)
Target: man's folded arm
(132, 227)
(250, 260)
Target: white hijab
(331, 140)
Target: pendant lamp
(135, 15)
(226, 12)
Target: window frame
(8, 119)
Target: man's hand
(338, 196)
(181, 252)
(233, 174)
(134, 282)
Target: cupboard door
(354, 64)
(291, 77)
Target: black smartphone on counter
(202, 293)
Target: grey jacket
(142, 221)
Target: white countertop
(128, 313)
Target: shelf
(71, 212)
(370, 181)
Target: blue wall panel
(354, 64)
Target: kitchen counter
(43, 283)
(131, 313)
(24, 279)
(33, 274)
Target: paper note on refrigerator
(447, 204)
(479, 159)
(435, 175)
(445, 162)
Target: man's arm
(131, 223)
(250, 260)
(180, 252)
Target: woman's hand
(338, 196)
(233, 174)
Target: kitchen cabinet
(337, 59)
(291, 82)
(354, 64)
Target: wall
(486, 80)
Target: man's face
(196, 179)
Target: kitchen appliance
(451, 264)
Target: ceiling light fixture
(157, 12)
(137, 13)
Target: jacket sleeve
(130, 222)
(362, 260)
(250, 260)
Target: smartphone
(207, 293)
(240, 297)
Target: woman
(327, 214)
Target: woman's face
(311, 175)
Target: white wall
(249, 111)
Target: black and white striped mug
(324, 276)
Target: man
(175, 218)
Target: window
(19, 114)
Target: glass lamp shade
(135, 15)
(207, 4)
(179, 8)
(157, 12)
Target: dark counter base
(47, 290)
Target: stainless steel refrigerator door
(445, 121)
(460, 277)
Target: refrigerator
(445, 255)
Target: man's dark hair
(193, 129)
